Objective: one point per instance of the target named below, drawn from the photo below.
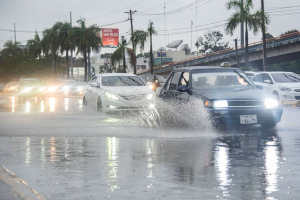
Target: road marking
(10, 178)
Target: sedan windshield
(220, 81)
(122, 81)
(286, 77)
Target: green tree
(269, 36)
(289, 32)
(120, 53)
(151, 31)
(51, 43)
(35, 46)
(86, 38)
(213, 42)
(244, 14)
(138, 38)
(11, 48)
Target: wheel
(84, 101)
(99, 105)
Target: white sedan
(118, 92)
(284, 85)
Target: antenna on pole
(165, 20)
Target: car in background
(70, 87)
(118, 92)
(285, 86)
(227, 94)
(30, 87)
(251, 74)
(11, 87)
(148, 79)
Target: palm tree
(51, 43)
(86, 38)
(65, 42)
(119, 54)
(35, 46)
(151, 31)
(138, 38)
(244, 14)
(11, 48)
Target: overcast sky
(30, 15)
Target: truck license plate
(248, 119)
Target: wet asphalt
(64, 150)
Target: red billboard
(110, 37)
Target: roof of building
(205, 67)
(116, 74)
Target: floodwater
(66, 151)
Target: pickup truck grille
(246, 103)
(133, 97)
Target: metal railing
(271, 43)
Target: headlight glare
(26, 90)
(111, 96)
(270, 103)
(220, 104)
(80, 88)
(208, 104)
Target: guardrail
(227, 53)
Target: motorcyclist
(155, 83)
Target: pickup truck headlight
(111, 96)
(271, 103)
(220, 104)
(285, 89)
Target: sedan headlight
(285, 89)
(271, 103)
(220, 104)
(26, 90)
(150, 96)
(111, 96)
(80, 88)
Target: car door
(95, 89)
(171, 86)
(184, 81)
(268, 83)
(88, 90)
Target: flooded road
(63, 150)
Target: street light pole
(132, 39)
(71, 47)
(236, 51)
(263, 28)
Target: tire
(99, 105)
(84, 101)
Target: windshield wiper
(241, 76)
(295, 78)
(123, 81)
(135, 81)
(289, 78)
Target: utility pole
(242, 30)
(161, 56)
(165, 21)
(191, 36)
(263, 28)
(132, 40)
(151, 50)
(236, 52)
(71, 47)
(15, 33)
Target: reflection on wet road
(86, 159)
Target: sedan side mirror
(268, 82)
(183, 88)
(259, 87)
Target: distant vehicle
(70, 87)
(118, 92)
(11, 87)
(284, 85)
(30, 87)
(228, 95)
(251, 74)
